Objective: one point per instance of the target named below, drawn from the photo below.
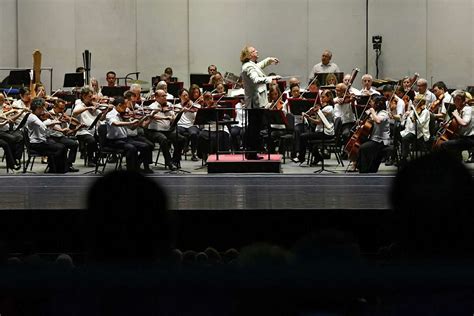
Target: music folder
(298, 106)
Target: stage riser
(237, 164)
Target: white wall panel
(279, 28)
(162, 38)
(449, 50)
(402, 25)
(107, 28)
(217, 31)
(8, 35)
(47, 25)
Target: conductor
(255, 86)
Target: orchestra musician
(22, 104)
(111, 78)
(416, 128)
(212, 70)
(13, 139)
(207, 140)
(275, 103)
(369, 151)
(61, 133)
(347, 81)
(195, 93)
(395, 109)
(320, 131)
(438, 107)
(162, 85)
(343, 109)
(367, 88)
(136, 152)
(325, 66)
(38, 132)
(255, 85)
(186, 125)
(96, 90)
(463, 115)
(423, 90)
(133, 99)
(86, 112)
(159, 130)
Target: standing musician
(422, 85)
(136, 152)
(85, 111)
(325, 66)
(255, 85)
(463, 116)
(343, 109)
(416, 127)
(61, 133)
(38, 133)
(8, 136)
(186, 125)
(321, 131)
(369, 152)
(159, 130)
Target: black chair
(31, 153)
(333, 145)
(104, 153)
(286, 141)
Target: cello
(362, 131)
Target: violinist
(275, 103)
(61, 133)
(369, 151)
(300, 127)
(464, 118)
(395, 109)
(438, 107)
(422, 86)
(407, 85)
(22, 104)
(220, 89)
(416, 127)
(320, 131)
(38, 133)
(162, 85)
(136, 111)
(160, 130)
(195, 93)
(96, 90)
(12, 138)
(343, 103)
(207, 140)
(86, 111)
(186, 125)
(136, 152)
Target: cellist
(369, 151)
(463, 115)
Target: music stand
(75, 79)
(322, 169)
(298, 106)
(275, 117)
(19, 78)
(113, 92)
(199, 79)
(309, 95)
(322, 77)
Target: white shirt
(381, 132)
(187, 118)
(422, 126)
(466, 115)
(320, 68)
(161, 125)
(399, 110)
(87, 118)
(37, 131)
(20, 105)
(113, 131)
(429, 97)
(328, 111)
(447, 99)
(6, 127)
(239, 115)
(344, 111)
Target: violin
(434, 107)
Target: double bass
(362, 131)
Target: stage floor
(296, 188)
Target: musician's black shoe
(171, 166)
(72, 169)
(252, 157)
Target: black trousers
(139, 138)
(56, 153)
(236, 133)
(456, 146)
(8, 154)
(91, 145)
(253, 140)
(304, 138)
(165, 139)
(369, 156)
(300, 129)
(136, 152)
(191, 133)
(411, 139)
(207, 143)
(15, 141)
(71, 146)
